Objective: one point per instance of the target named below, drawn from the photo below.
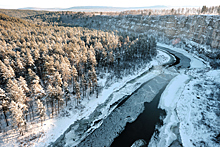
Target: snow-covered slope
(198, 110)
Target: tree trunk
(4, 112)
(26, 116)
(97, 92)
(66, 102)
(52, 107)
(32, 111)
(58, 106)
(30, 114)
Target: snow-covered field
(54, 127)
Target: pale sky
(13, 4)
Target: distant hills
(96, 8)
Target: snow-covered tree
(23, 84)
(51, 97)
(78, 94)
(65, 70)
(74, 78)
(17, 110)
(58, 96)
(66, 92)
(4, 101)
(58, 79)
(15, 92)
(83, 85)
(6, 72)
(37, 89)
(31, 76)
(41, 111)
(30, 60)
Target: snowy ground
(54, 127)
(191, 101)
(198, 110)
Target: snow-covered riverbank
(191, 102)
(168, 102)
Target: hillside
(198, 34)
(46, 70)
(21, 13)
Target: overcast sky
(13, 4)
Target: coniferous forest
(44, 68)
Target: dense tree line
(44, 68)
(67, 17)
(178, 11)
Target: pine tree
(111, 59)
(4, 104)
(49, 67)
(92, 59)
(23, 85)
(19, 65)
(65, 71)
(15, 92)
(74, 78)
(6, 72)
(90, 86)
(30, 61)
(51, 97)
(59, 96)
(92, 80)
(30, 77)
(66, 92)
(83, 85)
(204, 9)
(41, 111)
(17, 110)
(58, 79)
(78, 95)
(36, 88)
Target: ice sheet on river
(127, 112)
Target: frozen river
(132, 117)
